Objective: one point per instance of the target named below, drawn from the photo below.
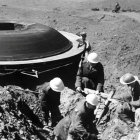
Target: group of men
(81, 123)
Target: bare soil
(115, 37)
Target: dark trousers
(88, 83)
(55, 114)
(124, 112)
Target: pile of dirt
(118, 130)
(69, 99)
(20, 115)
(115, 37)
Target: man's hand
(113, 100)
(86, 91)
(93, 137)
(79, 89)
(97, 92)
(131, 124)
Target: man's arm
(78, 82)
(44, 96)
(135, 103)
(100, 78)
(43, 99)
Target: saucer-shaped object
(27, 44)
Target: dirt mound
(116, 38)
(117, 129)
(69, 99)
(20, 115)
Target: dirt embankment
(115, 37)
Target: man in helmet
(133, 85)
(90, 74)
(80, 124)
(131, 99)
(50, 100)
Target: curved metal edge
(75, 50)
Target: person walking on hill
(90, 74)
(87, 46)
(80, 124)
(117, 7)
(50, 100)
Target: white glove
(86, 91)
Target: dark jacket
(136, 95)
(133, 96)
(62, 128)
(96, 74)
(82, 121)
(50, 97)
(130, 100)
(78, 124)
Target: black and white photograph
(69, 69)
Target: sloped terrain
(115, 37)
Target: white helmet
(57, 84)
(92, 57)
(92, 99)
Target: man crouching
(80, 124)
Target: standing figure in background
(90, 74)
(50, 100)
(86, 44)
(117, 7)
